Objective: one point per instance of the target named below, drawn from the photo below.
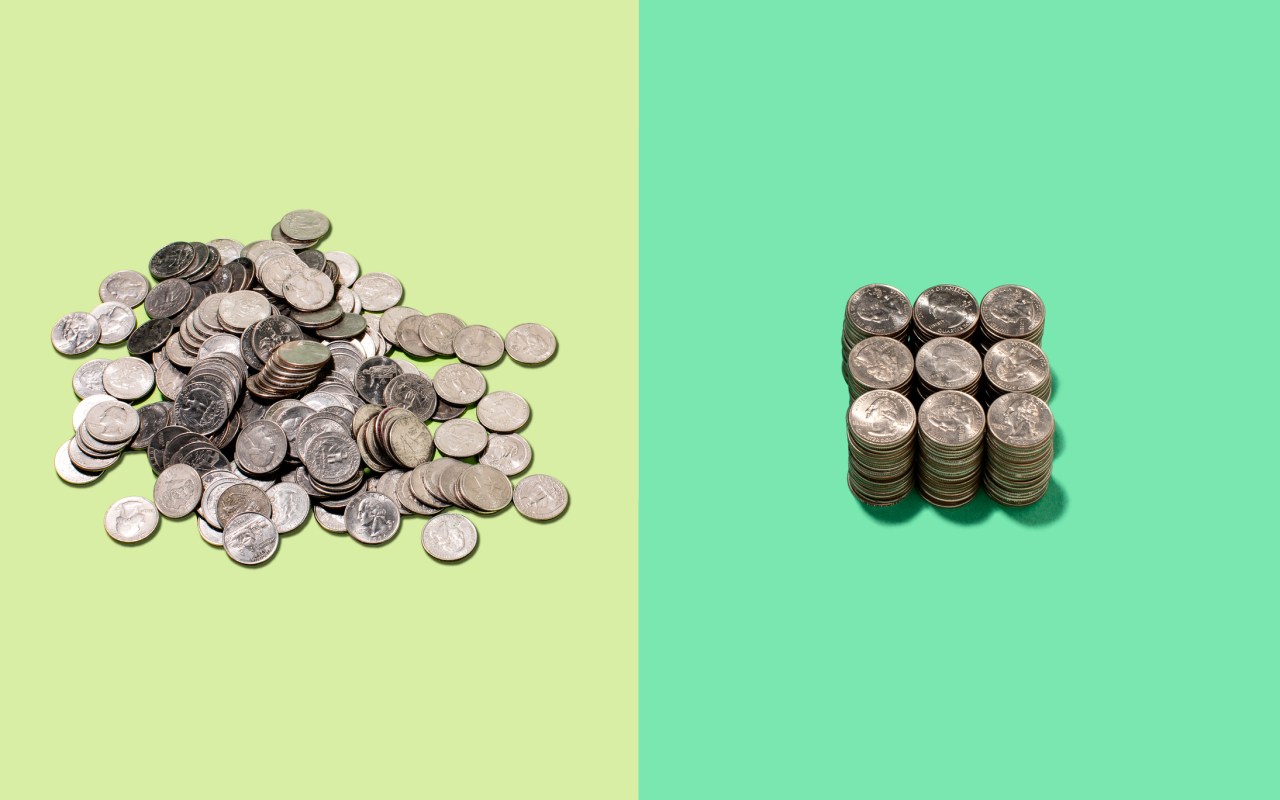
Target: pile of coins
(281, 400)
(1016, 365)
(882, 445)
(951, 426)
(1019, 449)
(950, 381)
(1010, 312)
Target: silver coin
(1012, 312)
(238, 310)
(484, 488)
(334, 523)
(378, 291)
(67, 471)
(438, 331)
(81, 412)
(479, 345)
(128, 378)
(948, 363)
(348, 267)
(228, 249)
(390, 321)
(308, 290)
(508, 453)
(876, 310)
(503, 412)
(75, 333)
(88, 378)
(112, 422)
(250, 538)
(449, 537)
(126, 286)
(131, 519)
(242, 498)
(209, 533)
(115, 322)
(1020, 420)
(331, 458)
(290, 506)
(261, 447)
(540, 497)
(304, 225)
(461, 438)
(531, 343)
(178, 490)
(461, 384)
(372, 518)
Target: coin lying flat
(115, 322)
(178, 490)
(480, 345)
(951, 428)
(1011, 312)
(372, 518)
(875, 310)
(882, 427)
(131, 519)
(878, 362)
(128, 379)
(540, 497)
(126, 286)
(943, 310)
(1019, 449)
(250, 539)
(1016, 365)
(503, 412)
(449, 537)
(88, 378)
(75, 333)
(531, 343)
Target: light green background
(1117, 641)
(484, 154)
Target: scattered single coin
(128, 379)
(531, 343)
(126, 286)
(509, 453)
(75, 333)
(250, 538)
(377, 291)
(503, 412)
(131, 519)
(449, 537)
(88, 378)
(540, 497)
(461, 438)
(479, 345)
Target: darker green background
(1116, 641)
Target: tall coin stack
(879, 363)
(951, 426)
(882, 442)
(943, 310)
(947, 363)
(1010, 312)
(1016, 365)
(1019, 449)
(875, 310)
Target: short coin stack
(1010, 312)
(947, 363)
(283, 401)
(882, 442)
(951, 428)
(875, 310)
(1016, 365)
(1019, 449)
(879, 362)
(943, 310)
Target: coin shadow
(1055, 378)
(897, 514)
(1059, 440)
(463, 560)
(974, 512)
(1045, 511)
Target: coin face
(88, 378)
(332, 458)
(115, 322)
(946, 310)
(250, 539)
(507, 412)
(479, 345)
(484, 488)
(290, 506)
(131, 519)
(540, 497)
(951, 417)
(69, 472)
(111, 421)
(461, 438)
(348, 267)
(372, 518)
(879, 310)
(531, 343)
(508, 453)
(1012, 311)
(879, 362)
(304, 225)
(75, 333)
(437, 332)
(414, 393)
(126, 286)
(461, 384)
(261, 447)
(128, 378)
(1020, 420)
(378, 291)
(178, 491)
(948, 363)
(1016, 365)
(882, 416)
(449, 537)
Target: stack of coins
(951, 428)
(947, 363)
(1010, 312)
(1016, 365)
(879, 363)
(1019, 449)
(943, 310)
(882, 446)
(104, 428)
(392, 437)
(875, 310)
(291, 368)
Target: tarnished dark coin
(373, 376)
(172, 259)
(149, 337)
(151, 419)
(243, 498)
(167, 298)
